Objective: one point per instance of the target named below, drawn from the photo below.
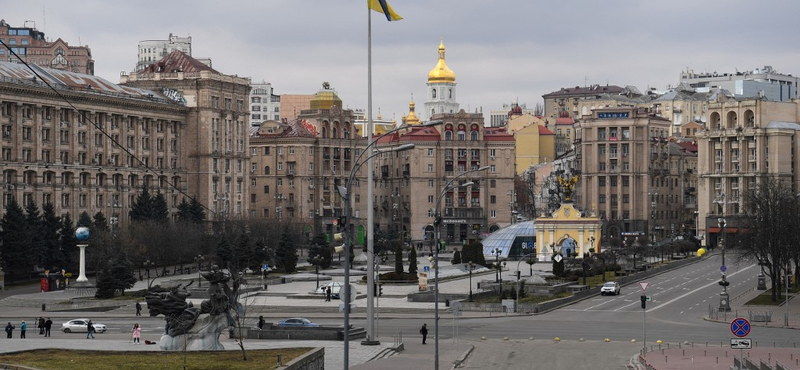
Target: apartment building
(30, 45)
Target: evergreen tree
(100, 222)
(456, 257)
(122, 272)
(320, 247)
(51, 226)
(141, 208)
(286, 253)
(68, 245)
(183, 211)
(197, 212)
(412, 261)
(398, 258)
(16, 244)
(243, 254)
(104, 282)
(34, 222)
(474, 252)
(158, 208)
(84, 220)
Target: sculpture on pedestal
(191, 328)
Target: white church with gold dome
(441, 88)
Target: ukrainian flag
(381, 6)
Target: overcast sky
(501, 51)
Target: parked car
(297, 321)
(611, 287)
(79, 326)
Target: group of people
(42, 324)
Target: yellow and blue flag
(381, 6)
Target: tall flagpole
(370, 340)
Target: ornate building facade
(217, 130)
(30, 45)
(441, 88)
(92, 148)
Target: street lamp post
(316, 261)
(436, 222)
(497, 252)
(724, 302)
(471, 267)
(345, 193)
(147, 265)
(199, 260)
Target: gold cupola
(441, 73)
(411, 119)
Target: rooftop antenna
(585, 81)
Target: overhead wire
(101, 128)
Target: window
(430, 199)
(626, 181)
(492, 169)
(430, 183)
(493, 199)
(601, 181)
(493, 213)
(601, 198)
(266, 150)
(492, 183)
(613, 181)
(626, 198)
(266, 189)
(266, 170)
(430, 152)
(430, 167)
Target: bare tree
(770, 212)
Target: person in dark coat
(328, 294)
(9, 330)
(47, 325)
(424, 331)
(40, 324)
(89, 330)
(138, 309)
(261, 322)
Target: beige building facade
(217, 129)
(30, 45)
(92, 148)
(743, 140)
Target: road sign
(426, 268)
(353, 294)
(740, 327)
(265, 267)
(741, 343)
(643, 285)
(335, 222)
(558, 258)
(723, 268)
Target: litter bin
(762, 282)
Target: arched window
(345, 134)
(448, 135)
(450, 93)
(266, 170)
(731, 120)
(334, 133)
(433, 93)
(749, 119)
(462, 135)
(324, 132)
(474, 136)
(433, 112)
(714, 121)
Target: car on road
(611, 287)
(297, 321)
(79, 326)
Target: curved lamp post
(147, 265)
(316, 261)
(471, 267)
(436, 222)
(345, 193)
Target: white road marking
(704, 286)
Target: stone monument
(82, 236)
(192, 328)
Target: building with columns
(91, 146)
(217, 129)
(743, 141)
(441, 88)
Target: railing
(397, 339)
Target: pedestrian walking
(9, 330)
(261, 322)
(137, 332)
(89, 330)
(328, 294)
(138, 309)
(40, 324)
(47, 325)
(22, 328)
(424, 331)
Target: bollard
(726, 354)
(43, 307)
(666, 359)
(717, 360)
(704, 353)
(280, 360)
(684, 353)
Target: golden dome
(411, 118)
(325, 99)
(441, 73)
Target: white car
(79, 326)
(611, 287)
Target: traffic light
(342, 222)
(380, 290)
(724, 283)
(519, 274)
(644, 301)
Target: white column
(82, 276)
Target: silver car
(79, 326)
(611, 287)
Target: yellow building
(567, 230)
(535, 142)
